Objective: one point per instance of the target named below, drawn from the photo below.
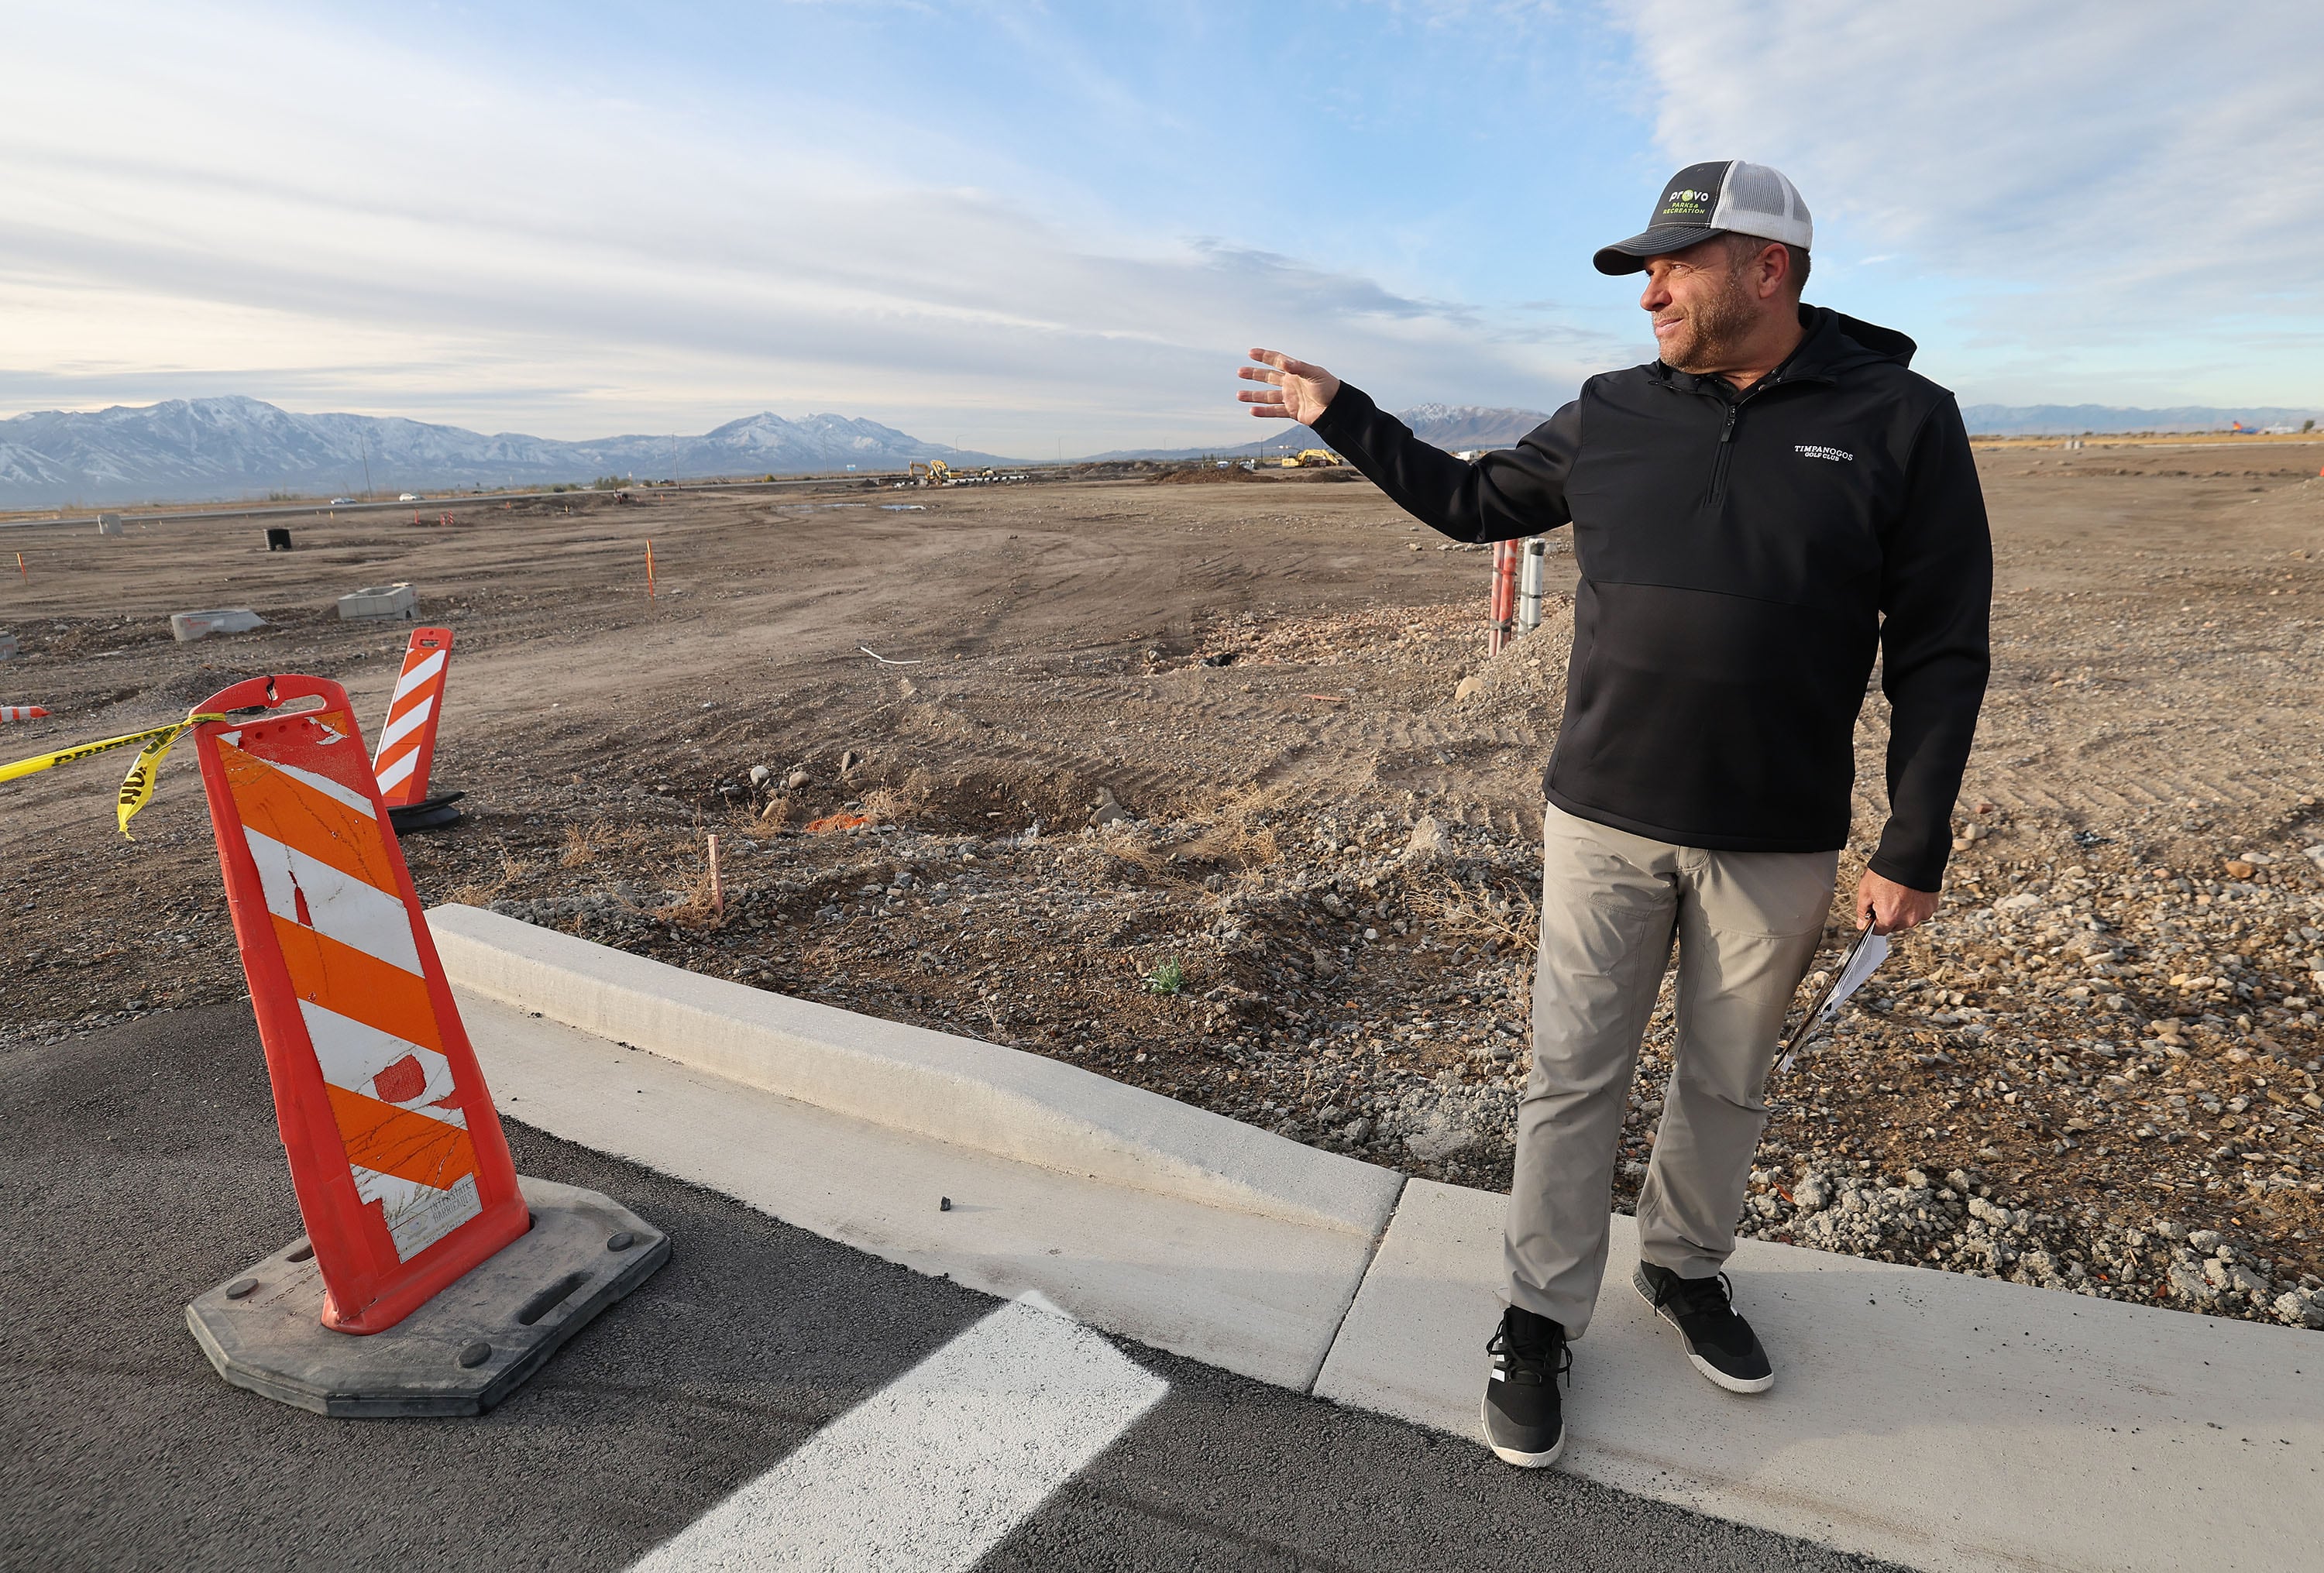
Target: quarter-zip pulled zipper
(1726, 448)
(1727, 434)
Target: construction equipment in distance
(936, 472)
(1313, 459)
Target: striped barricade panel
(407, 740)
(403, 1175)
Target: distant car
(407, 497)
(342, 502)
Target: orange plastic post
(649, 585)
(407, 740)
(403, 1178)
(1505, 594)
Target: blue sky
(1026, 229)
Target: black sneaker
(1720, 1343)
(1525, 1422)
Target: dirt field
(1309, 899)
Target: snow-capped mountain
(197, 449)
(1470, 426)
(1450, 426)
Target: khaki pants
(1746, 926)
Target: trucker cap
(1726, 198)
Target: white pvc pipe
(1529, 567)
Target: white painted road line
(933, 1470)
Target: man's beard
(1712, 330)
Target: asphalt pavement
(141, 1165)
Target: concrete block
(186, 627)
(975, 1095)
(110, 524)
(1943, 1421)
(1253, 1294)
(395, 600)
(8, 647)
(459, 1353)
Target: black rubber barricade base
(428, 813)
(462, 1352)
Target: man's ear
(1775, 269)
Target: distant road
(447, 499)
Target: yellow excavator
(935, 473)
(1313, 459)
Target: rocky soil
(1209, 788)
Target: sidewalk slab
(1256, 1295)
(1943, 1421)
(1001, 1101)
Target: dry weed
(1450, 910)
(585, 842)
(887, 805)
(695, 909)
(1235, 835)
(1238, 835)
(481, 893)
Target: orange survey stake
(404, 1177)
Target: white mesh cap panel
(1758, 199)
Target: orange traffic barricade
(420, 1287)
(407, 738)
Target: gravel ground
(1273, 848)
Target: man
(1756, 514)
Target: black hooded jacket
(1743, 558)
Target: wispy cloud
(2093, 178)
(1009, 225)
(515, 248)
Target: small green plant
(1167, 979)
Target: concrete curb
(1252, 1294)
(1946, 1423)
(977, 1095)
(1956, 1424)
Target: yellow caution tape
(144, 770)
(137, 787)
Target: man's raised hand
(1296, 392)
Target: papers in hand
(1862, 959)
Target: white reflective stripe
(402, 726)
(418, 1215)
(393, 776)
(325, 785)
(338, 905)
(413, 676)
(353, 1053)
(932, 1472)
